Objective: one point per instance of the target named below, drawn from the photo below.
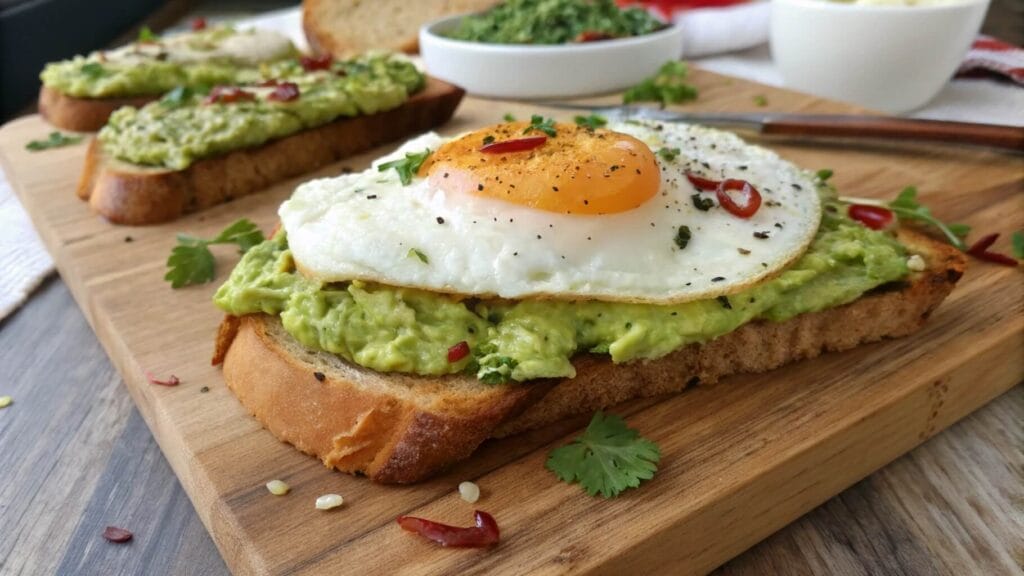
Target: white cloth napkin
(24, 262)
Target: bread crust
(400, 429)
(82, 114)
(129, 194)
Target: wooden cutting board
(740, 459)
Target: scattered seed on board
(328, 501)
(278, 488)
(6, 401)
(469, 492)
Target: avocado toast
(391, 366)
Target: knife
(825, 125)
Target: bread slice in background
(82, 114)
(399, 428)
(137, 195)
(347, 27)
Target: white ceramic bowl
(890, 58)
(555, 71)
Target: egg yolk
(577, 171)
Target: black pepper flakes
(718, 278)
(761, 235)
(440, 220)
(724, 301)
(129, 239)
(743, 251)
(319, 376)
(480, 187)
(371, 197)
(204, 389)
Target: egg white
(368, 226)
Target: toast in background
(346, 27)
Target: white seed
(328, 501)
(469, 492)
(278, 488)
(6, 401)
(916, 264)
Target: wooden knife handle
(1009, 137)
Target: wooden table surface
(76, 457)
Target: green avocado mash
(184, 126)
(554, 22)
(155, 67)
(407, 330)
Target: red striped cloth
(989, 56)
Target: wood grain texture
(740, 459)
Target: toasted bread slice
(398, 428)
(346, 27)
(82, 114)
(130, 194)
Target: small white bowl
(549, 71)
(885, 57)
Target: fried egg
(606, 214)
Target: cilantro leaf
(824, 174)
(177, 97)
(608, 458)
(191, 261)
(1018, 244)
(54, 140)
(147, 35)
(907, 207)
(406, 167)
(668, 86)
(541, 124)
(508, 117)
(668, 154)
(761, 100)
(93, 70)
(591, 122)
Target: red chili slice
(117, 535)
(485, 533)
(874, 217)
(227, 95)
(593, 36)
(517, 145)
(980, 251)
(311, 63)
(751, 198)
(702, 183)
(172, 381)
(198, 24)
(285, 92)
(458, 352)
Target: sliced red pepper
(269, 83)
(285, 92)
(117, 535)
(751, 198)
(874, 217)
(198, 24)
(592, 36)
(458, 352)
(227, 95)
(702, 183)
(172, 381)
(980, 251)
(516, 145)
(484, 534)
(311, 63)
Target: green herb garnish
(761, 100)
(488, 139)
(541, 124)
(408, 166)
(1018, 245)
(668, 86)
(608, 458)
(177, 97)
(147, 35)
(508, 117)
(413, 252)
(93, 70)
(702, 203)
(191, 261)
(54, 140)
(823, 175)
(496, 369)
(592, 122)
(682, 237)
(668, 154)
(906, 207)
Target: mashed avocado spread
(218, 55)
(406, 330)
(190, 124)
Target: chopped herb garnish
(906, 207)
(1018, 245)
(508, 117)
(147, 35)
(682, 237)
(608, 458)
(413, 252)
(320, 376)
(668, 154)
(93, 70)
(541, 124)
(488, 139)
(54, 140)
(408, 166)
(496, 369)
(191, 261)
(724, 301)
(592, 122)
(761, 100)
(823, 175)
(702, 203)
(177, 97)
(668, 86)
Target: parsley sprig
(541, 124)
(147, 35)
(1018, 245)
(406, 167)
(907, 208)
(191, 261)
(54, 140)
(608, 458)
(668, 86)
(591, 122)
(668, 154)
(93, 70)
